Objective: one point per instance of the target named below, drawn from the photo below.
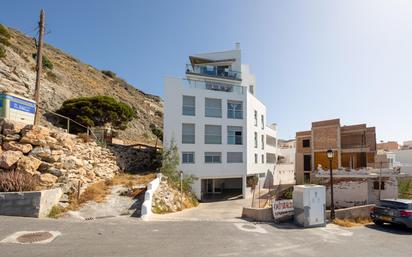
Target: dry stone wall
(58, 159)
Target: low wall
(352, 212)
(36, 204)
(258, 214)
(148, 197)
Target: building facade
(218, 124)
(354, 147)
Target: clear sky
(313, 60)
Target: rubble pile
(57, 158)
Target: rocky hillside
(69, 78)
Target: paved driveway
(211, 211)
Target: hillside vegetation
(66, 77)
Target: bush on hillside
(4, 32)
(2, 52)
(109, 73)
(4, 40)
(45, 61)
(97, 111)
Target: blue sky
(313, 60)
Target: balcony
(212, 85)
(213, 71)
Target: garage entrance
(219, 189)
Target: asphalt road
(131, 237)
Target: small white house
(218, 124)
(17, 108)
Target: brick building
(354, 147)
(388, 146)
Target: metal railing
(214, 71)
(212, 85)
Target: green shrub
(2, 52)
(109, 73)
(405, 188)
(4, 41)
(55, 212)
(14, 181)
(97, 111)
(252, 181)
(4, 32)
(45, 61)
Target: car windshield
(393, 204)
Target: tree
(170, 163)
(158, 132)
(97, 111)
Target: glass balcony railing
(212, 85)
(216, 71)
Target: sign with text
(282, 209)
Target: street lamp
(181, 190)
(329, 153)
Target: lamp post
(181, 190)
(329, 153)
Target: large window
(189, 105)
(262, 140)
(213, 157)
(256, 119)
(213, 107)
(234, 135)
(234, 110)
(307, 162)
(188, 133)
(270, 158)
(234, 157)
(256, 140)
(262, 120)
(270, 141)
(306, 142)
(213, 134)
(188, 157)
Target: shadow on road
(391, 228)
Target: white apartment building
(218, 124)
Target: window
(270, 140)
(252, 89)
(256, 158)
(376, 185)
(188, 133)
(234, 157)
(262, 139)
(256, 118)
(213, 107)
(306, 143)
(213, 134)
(189, 105)
(234, 110)
(234, 135)
(307, 162)
(256, 140)
(270, 158)
(188, 157)
(262, 120)
(263, 158)
(213, 157)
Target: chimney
(237, 46)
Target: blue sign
(22, 107)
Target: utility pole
(39, 67)
(380, 181)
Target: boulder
(28, 164)
(12, 127)
(71, 162)
(42, 153)
(11, 137)
(35, 135)
(54, 171)
(47, 180)
(9, 158)
(14, 146)
(44, 166)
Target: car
(395, 211)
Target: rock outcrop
(58, 159)
(70, 78)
